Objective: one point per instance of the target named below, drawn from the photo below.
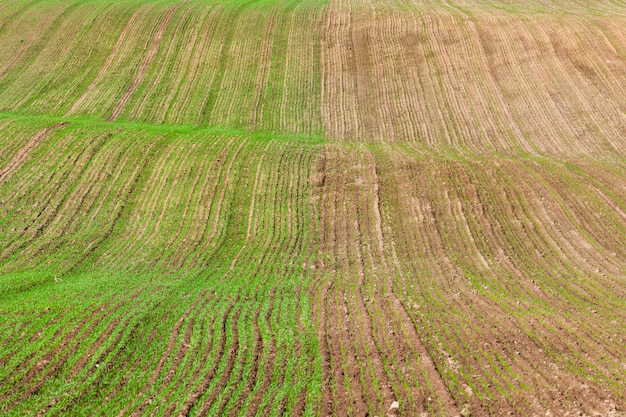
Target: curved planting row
(451, 245)
(506, 272)
(475, 285)
(372, 353)
(170, 269)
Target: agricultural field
(312, 208)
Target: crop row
(475, 78)
(193, 272)
(510, 270)
(449, 283)
(192, 63)
(162, 269)
(453, 242)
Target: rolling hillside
(251, 208)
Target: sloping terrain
(308, 208)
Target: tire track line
(205, 198)
(218, 209)
(146, 62)
(150, 203)
(165, 205)
(114, 53)
(253, 227)
(176, 38)
(257, 179)
(408, 329)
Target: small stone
(394, 405)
